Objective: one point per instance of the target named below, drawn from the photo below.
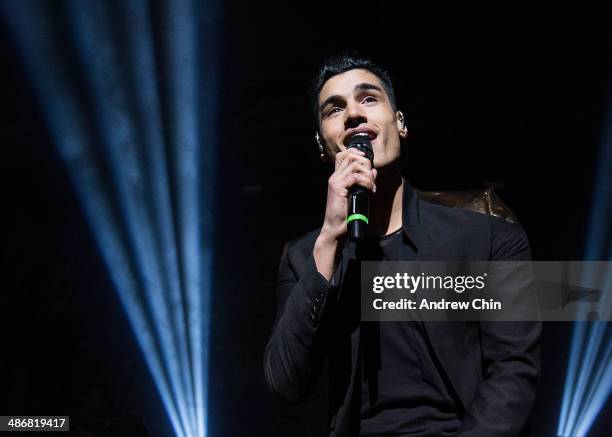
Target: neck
(386, 203)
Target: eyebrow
(359, 87)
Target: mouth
(359, 131)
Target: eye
(369, 99)
(334, 110)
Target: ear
(401, 124)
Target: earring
(402, 120)
(324, 156)
(318, 140)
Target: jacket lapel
(343, 420)
(447, 339)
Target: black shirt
(402, 391)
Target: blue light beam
(142, 179)
(92, 32)
(192, 96)
(589, 373)
(598, 394)
(66, 118)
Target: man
(393, 378)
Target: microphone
(359, 197)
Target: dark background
(504, 95)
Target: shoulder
(508, 241)
(452, 217)
(302, 242)
(466, 214)
(300, 248)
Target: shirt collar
(410, 207)
(412, 220)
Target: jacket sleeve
(504, 400)
(297, 346)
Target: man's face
(354, 102)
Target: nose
(354, 116)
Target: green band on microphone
(352, 217)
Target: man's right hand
(351, 168)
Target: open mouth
(360, 131)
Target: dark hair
(340, 63)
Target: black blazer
(491, 367)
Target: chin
(385, 161)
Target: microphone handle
(358, 212)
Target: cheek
(389, 143)
(333, 142)
(332, 149)
(330, 135)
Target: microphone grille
(362, 143)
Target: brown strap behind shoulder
(482, 201)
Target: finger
(356, 166)
(355, 179)
(374, 174)
(349, 159)
(346, 156)
(342, 180)
(362, 180)
(338, 160)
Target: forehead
(343, 84)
